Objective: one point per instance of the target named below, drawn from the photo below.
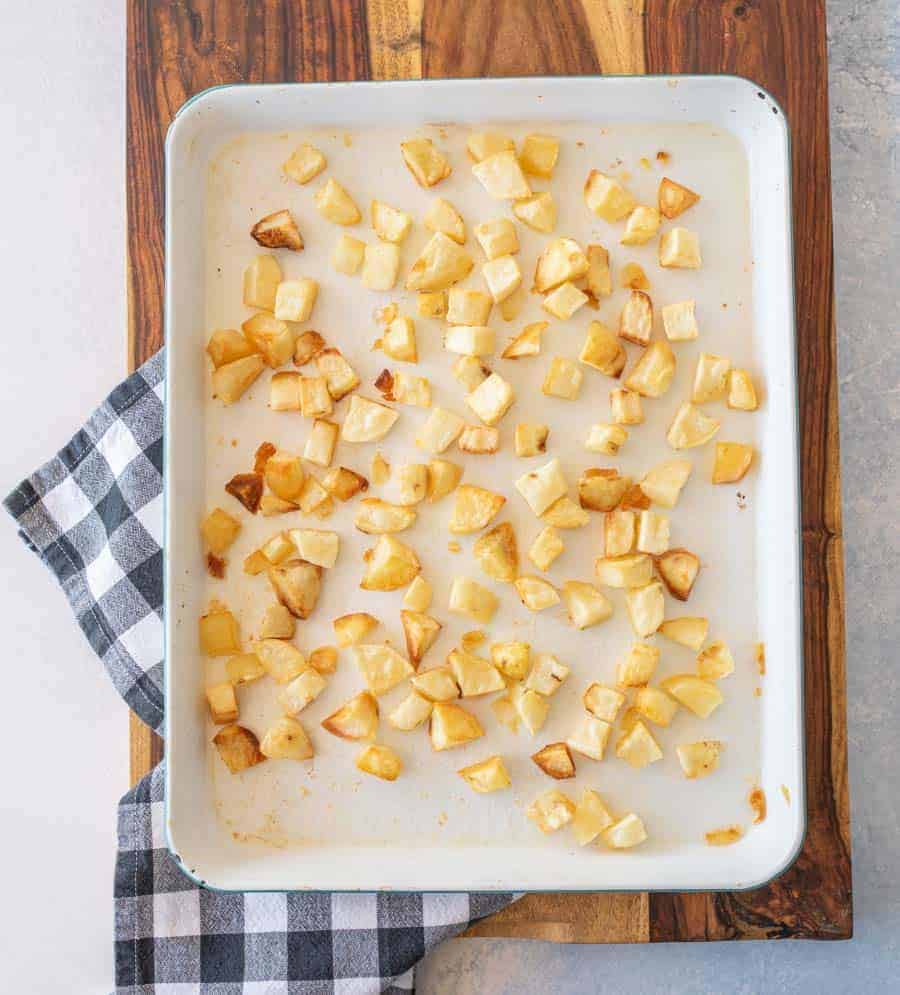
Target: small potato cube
(591, 817)
(220, 634)
(227, 345)
(261, 279)
(277, 549)
(642, 225)
(441, 264)
(390, 223)
(442, 216)
(634, 570)
(655, 705)
(301, 691)
(497, 238)
(305, 163)
(399, 340)
(562, 260)
(551, 811)
(469, 598)
(294, 299)
(733, 460)
(565, 514)
(432, 303)
(381, 264)
(229, 382)
(271, 337)
(244, 668)
(412, 483)
(690, 631)
(436, 684)
(320, 445)
(691, 427)
(636, 319)
(607, 198)
(555, 760)
(404, 388)
(471, 372)
(638, 665)
(585, 605)
(679, 321)
(531, 439)
(512, 659)
(637, 747)
(277, 231)
(563, 379)
(663, 484)
(633, 277)
(238, 747)
(284, 391)
(546, 548)
(532, 709)
(563, 302)
(481, 144)
(425, 162)
(538, 212)
(479, 440)
(491, 399)
(469, 340)
(715, 661)
(348, 255)
(308, 346)
(634, 499)
(606, 439)
(219, 531)
(679, 248)
(357, 719)
(367, 421)
(618, 533)
(286, 739)
(541, 488)
(603, 702)
(710, 378)
(277, 623)
(452, 725)
(536, 594)
(343, 483)
(646, 608)
(281, 659)
(599, 277)
(502, 276)
(335, 204)
(653, 373)
(626, 833)
(222, 701)
(382, 667)
(377, 517)
(601, 489)
(653, 533)
(316, 546)
(474, 508)
(441, 429)
(473, 674)
(697, 695)
(246, 488)
(505, 713)
(502, 177)
(488, 775)
(539, 154)
(381, 761)
(420, 631)
(411, 712)
(526, 343)
(603, 351)
(418, 595)
(468, 307)
(678, 569)
(390, 565)
(741, 392)
(625, 406)
(339, 374)
(589, 737)
(701, 758)
(674, 199)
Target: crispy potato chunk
(526, 343)
(601, 489)
(481, 144)
(381, 265)
(531, 439)
(277, 231)
(238, 747)
(538, 212)
(343, 483)
(497, 238)
(304, 164)
(715, 661)
(436, 684)
(678, 569)
(452, 725)
(339, 375)
(607, 198)
(690, 631)
(294, 299)
(629, 831)
(357, 719)
(301, 691)
(710, 378)
(232, 380)
(469, 598)
(655, 705)
(642, 225)
(479, 440)
(427, 164)
(222, 701)
(603, 702)
(539, 155)
(469, 340)
(551, 811)
(501, 176)
(277, 623)
(541, 488)
(633, 277)
(474, 508)
(586, 606)
(219, 531)
(564, 301)
(317, 546)
(607, 439)
(679, 248)
(679, 321)
(389, 223)
(468, 307)
(389, 565)
(546, 675)
(380, 761)
(691, 427)
(219, 632)
(491, 399)
(350, 629)
(565, 514)
(442, 216)
(599, 277)
(636, 319)
(603, 351)
(432, 303)
(701, 758)
(244, 668)
(536, 593)
(404, 388)
(547, 546)
(271, 337)
(589, 737)
(638, 747)
(227, 345)
(441, 264)
(741, 392)
(733, 460)
(323, 659)
(348, 255)
(421, 632)
(381, 666)
(286, 739)
(497, 553)
(555, 760)
(653, 373)
(646, 608)
(592, 817)
(411, 712)
(562, 260)
(367, 421)
(663, 484)
(512, 659)
(261, 279)
(697, 695)
(502, 276)
(486, 776)
(335, 204)
(281, 659)
(297, 584)
(473, 674)
(418, 595)
(638, 665)
(443, 476)
(674, 199)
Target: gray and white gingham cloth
(94, 516)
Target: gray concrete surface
(865, 87)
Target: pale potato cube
(432, 303)
(277, 549)
(497, 238)
(469, 598)
(715, 661)
(261, 279)
(381, 264)
(356, 719)
(469, 340)
(380, 761)
(586, 606)
(389, 223)
(589, 737)
(538, 212)
(381, 666)
(481, 144)
(339, 374)
(603, 702)
(663, 484)
(316, 546)
(244, 668)
(691, 427)
(436, 684)
(418, 595)
(539, 154)
(733, 460)
(282, 660)
(697, 695)
(551, 811)
(390, 565)
(602, 350)
(425, 162)
(487, 775)
(324, 659)
(599, 277)
(546, 547)
(526, 343)
(294, 299)
(473, 674)
(305, 163)
(565, 514)
(679, 248)
(468, 307)
(710, 378)
(501, 176)
(441, 429)
(286, 739)
(653, 533)
(411, 712)
(399, 340)
(479, 440)
(655, 705)
(505, 712)
(674, 199)
(231, 380)
(442, 216)
(542, 487)
(320, 445)
(636, 319)
(335, 204)
(367, 421)
(512, 659)
(646, 608)
(563, 302)
(441, 264)
(679, 321)
(412, 483)
(607, 198)
(223, 704)
(642, 225)
(633, 277)
(452, 725)
(227, 345)
(502, 276)
(591, 817)
(562, 260)
(301, 691)
(348, 254)
(474, 508)
(532, 709)
(654, 371)
(637, 747)
(563, 379)
(606, 439)
(404, 388)
(220, 634)
(618, 533)
(701, 758)
(470, 371)
(315, 398)
(638, 665)
(536, 593)
(491, 399)
(219, 531)
(741, 392)
(343, 483)
(629, 831)
(271, 337)
(688, 630)
(634, 570)
(531, 439)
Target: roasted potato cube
(697, 695)
(481, 144)
(381, 761)
(381, 666)
(629, 831)
(565, 514)
(301, 691)
(286, 739)
(551, 811)
(229, 382)
(468, 307)
(277, 231)
(563, 302)
(491, 399)
(339, 375)
(607, 198)
(470, 371)
(222, 701)
(592, 817)
(586, 606)
(589, 737)
(634, 499)
(357, 719)
(474, 507)
(389, 565)
(741, 392)
(424, 161)
(638, 665)
(691, 427)
(479, 440)
(538, 212)
(271, 337)
(563, 379)
(418, 595)
(350, 629)
(420, 631)
(244, 668)
(411, 712)
(227, 345)
(532, 709)
(343, 483)
(319, 448)
(412, 483)
(497, 553)
(220, 634)
(531, 439)
(451, 725)
(505, 712)
(436, 684)
(555, 760)
(539, 154)
(335, 204)
(710, 378)
(733, 460)
(497, 238)
(316, 546)
(308, 346)
(399, 340)
(562, 260)
(315, 400)
(679, 248)
(599, 277)
(441, 264)
(678, 569)
(404, 388)
(261, 279)
(313, 498)
(348, 255)
(637, 747)
(389, 223)
(367, 421)
(606, 439)
(256, 563)
(238, 747)
(469, 598)
(281, 660)
(601, 489)
(546, 675)
(219, 531)
(536, 593)
(546, 547)
(473, 674)
(689, 630)
(297, 585)
(443, 476)
(305, 163)
(674, 199)
(486, 776)
(441, 429)
(700, 758)
(381, 264)
(679, 322)
(652, 374)
(512, 659)
(526, 343)
(603, 702)
(655, 705)
(442, 216)
(278, 548)
(541, 488)
(501, 176)
(432, 303)
(633, 277)
(715, 661)
(469, 340)
(323, 659)
(285, 475)
(502, 276)
(636, 319)
(642, 225)
(277, 623)
(294, 299)
(284, 391)
(618, 533)
(646, 608)
(603, 351)
(653, 533)
(663, 484)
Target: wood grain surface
(177, 48)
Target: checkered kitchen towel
(94, 516)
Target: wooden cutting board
(177, 48)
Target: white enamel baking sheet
(324, 825)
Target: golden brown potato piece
(497, 553)
(357, 719)
(674, 199)
(247, 488)
(297, 584)
(421, 631)
(555, 760)
(425, 162)
(278, 231)
(238, 747)
(678, 569)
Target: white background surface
(63, 346)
